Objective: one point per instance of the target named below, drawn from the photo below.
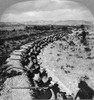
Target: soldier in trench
(83, 36)
(85, 92)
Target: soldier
(85, 91)
(84, 34)
(45, 80)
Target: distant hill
(6, 24)
(68, 22)
(50, 22)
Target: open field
(58, 49)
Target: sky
(34, 10)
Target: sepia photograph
(46, 49)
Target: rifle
(40, 88)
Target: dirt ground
(68, 64)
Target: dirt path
(12, 93)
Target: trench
(16, 78)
